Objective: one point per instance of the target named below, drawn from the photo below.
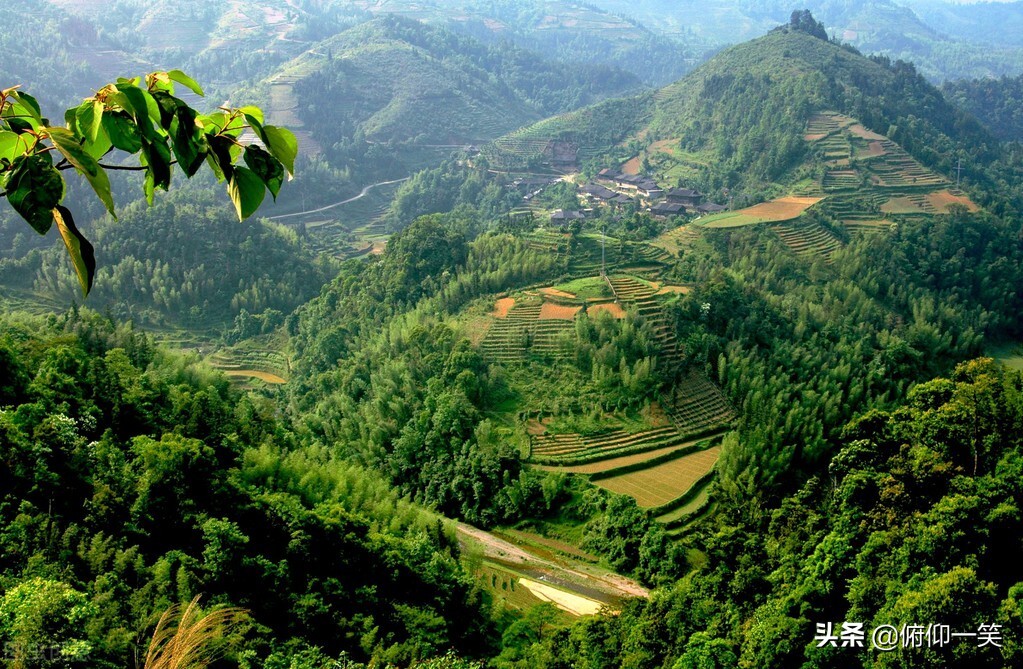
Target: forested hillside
(995, 102)
(160, 265)
(135, 479)
(375, 75)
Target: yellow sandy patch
(550, 311)
(554, 292)
(610, 307)
(679, 290)
(567, 601)
(502, 307)
(256, 374)
(632, 166)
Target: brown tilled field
(551, 311)
(941, 200)
(632, 166)
(502, 307)
(783, 208)
(554, 292)
(679, 290)
(861, 131)
(612, 308)
(668, 146)
(662, 483)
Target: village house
(564, 217)
(667, 209)
(685, 196)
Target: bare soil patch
(610, 307)
(632, 166)
(860, 131)
(502, 307)
(554, 292)
(551, 311)
(942, 199)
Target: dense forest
(995, 102)
(158, 267)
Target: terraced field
(574, 448)
(610, 463)
(869, 177)
(243, 365)
(675, 240)
(697, 406)
(774, 211)
(661, 484)
(522, 331)
(808, 238)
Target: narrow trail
(361, 194)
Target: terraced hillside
(575, 449)
(807, 238)
(696, 406)
(641, 297)
(522, 332)
(868, 177)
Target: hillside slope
(739, 120)
(395, 80)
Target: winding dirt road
(361, 194)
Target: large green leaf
(246, 190)
(34, 188)
(266, 167)
(89, 118)
(185, 80)
(138, 107)
(158, 158)
(83, 257)
(189, 141)
(283, 145)
(76, 154)
(13, 145)
(122, 131)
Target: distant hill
(395, 79)
(945, 41)
(741, 125)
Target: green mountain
(741, 121)
(397, 80)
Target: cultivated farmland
(775, 211)
(660, 484)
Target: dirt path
(361, 194)
(583, 580)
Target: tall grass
(186, 638)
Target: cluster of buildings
(611, 187)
